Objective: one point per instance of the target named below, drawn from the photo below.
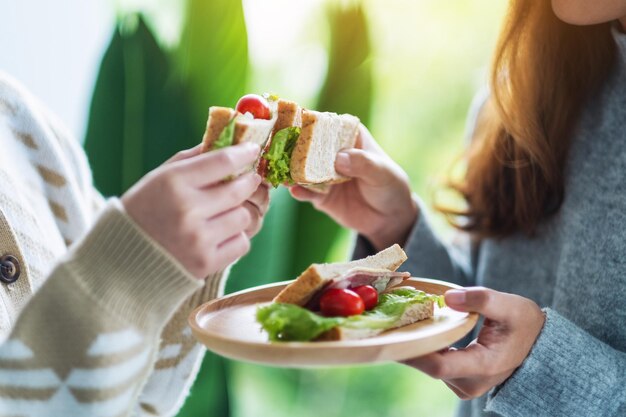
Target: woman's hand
(377, 203)
(257, 204)
(204, 222)
(512, 324)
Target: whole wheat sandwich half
(305, 143)
(347, 301)
(226, 127)
(299, 145)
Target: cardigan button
(9, 269)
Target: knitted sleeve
(429, 256)
(558, 380)
(88, 340)
(178, 355)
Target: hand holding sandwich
(511, 327)
(201, 220)
(377, 202)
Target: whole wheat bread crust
(216, 122)
(316, 276)
(301, 150)
(288, 114)
(219, 117)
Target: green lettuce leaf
(279, 156)
(289, 322)
(391, 306)
(227, 136)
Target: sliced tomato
(255, 105)
(341, 302)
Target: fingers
(229, 224)
(256, 219)
(261, 198)
(186, 154)
(497, 306)
(467, 372)
(225, 196)
(302, 194)
(459, 393)
(363, 165)
(257, 205)
(452, 364)
(212, 167)
(232, 249)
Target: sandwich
(304, 145)
(299, 145)
(347, 301)
(251, 121)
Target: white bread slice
(317, 275)
(411, 315)
(323, 136)
(247, 129)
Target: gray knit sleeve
(429, 256)
(567, 373)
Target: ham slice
(380, 279)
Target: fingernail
(342, 162)
(257, 178)
(455, 297)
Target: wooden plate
(227, 326)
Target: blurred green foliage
(139, 113)
(408, 71)
(212, 56)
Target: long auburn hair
(543, 72)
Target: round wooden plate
(227, 326)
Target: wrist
(395, 229)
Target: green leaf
(212, 57)
(139, 114)
(348, 84)
(289, 322)
(279, 156)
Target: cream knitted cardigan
(95, 325)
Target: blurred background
(134, 79)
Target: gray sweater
(575, 268)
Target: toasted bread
(315, 276)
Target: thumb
(490, 303)
(363, 165)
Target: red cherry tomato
(254, 104)
(338, 302)
(368, 294)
